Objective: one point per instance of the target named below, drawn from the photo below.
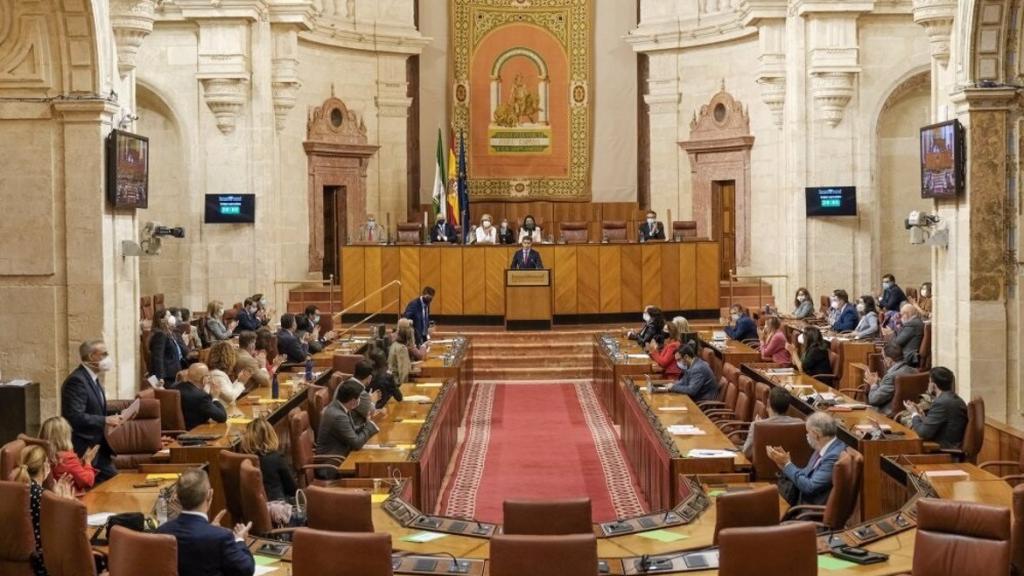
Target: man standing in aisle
(419, 312)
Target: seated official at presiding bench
(527, 258)
(812, 483)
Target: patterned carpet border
(620, 483)
(473, 458)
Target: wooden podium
(528, 299)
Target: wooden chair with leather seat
(17, 542)
(338, 510)
(957, 538)
(334, 382)
(548, 517)
(317, 398)
(790, 549)
(172, 419)
(10, 453)
(761, 391)
(737, 424)
(728, 392)
(684, 229)
(230, 464)
(317, 552)
(708, 355)
(136, 441)
(410, 233)
(832, 379)
(574, 232)
(254, 502)
(974, 435)
(924, 353)
(791, 436)
(567, 555)
(133, 553)
(304, 458)
(749, 508)
(847, 476)
(62, 530)
(908, 387)
(614, 231)
(346, 362)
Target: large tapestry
(521, 95)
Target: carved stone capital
(132, 22)
(773, 94)
(225, 97)
(285, 95)
(832, 91)
(936, 16)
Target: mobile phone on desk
(272, 548)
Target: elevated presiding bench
(587, 279)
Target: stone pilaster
(132, 21)
(287, 19)
(769, 16)
(392, 101)
(936, 16)
(224, 68)
(663, 98)
(833, 65)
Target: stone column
(102, 298)
(662, 99)
(971, 331)
(770, 18)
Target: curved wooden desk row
(588, 279)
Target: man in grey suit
(340, 433)
(881, 391)
(910, 335)
(361, 375)
(946, 419)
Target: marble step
(533, 372)
(531, 348)
(537, 360)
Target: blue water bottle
(309, 370)
(275, 391)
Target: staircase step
(531, 373)
(536, 360)
(519, 349)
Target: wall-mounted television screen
(127, 170)
(942, 160)
(831, 201)
(230, 208)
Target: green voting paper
(663, 536)
(264, 560)
(827, 562)
(423, 537)
(715, 493)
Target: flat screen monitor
(230, 208)
(942, 160)
(127, 170)
(831, 201)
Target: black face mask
(427, 299)
(529, 226)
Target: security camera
(926, 229)
(151, 234)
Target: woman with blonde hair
(400, 357)
(34, 469)
(260, 439)
(486, 233)
(222, 360)
(416, 353)
(57, 431)
(215, 328)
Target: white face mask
(835, 304)
(650, 221)
(370, 223)
(504, 225)
(681, 364)
(172, 321)
(735, 316)
(316, 319)
(924, 293)
(800, 339)
(105, 365)
(861, 308)
(647, 317)
(800, 298)
(810, 442)
(487, 223)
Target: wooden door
(335, 230)
(723, 218)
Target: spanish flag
(453, 175)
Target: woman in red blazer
(64, 461)
(773, 343)
(666, 355)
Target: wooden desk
(731, 351)
(616, 357)
(587, 278)
(527, 299)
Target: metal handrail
(364, 320)
(367, 297)
(759, 277)
(329, 282)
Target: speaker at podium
(528, 299)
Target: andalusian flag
(438, 196)
(454, 214)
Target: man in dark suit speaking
(84, 405)
(527, 258)
(419, 312)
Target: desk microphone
(457, 566)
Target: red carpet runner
(537, 441)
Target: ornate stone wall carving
(936, 16)
(132, 21)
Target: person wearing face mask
(882, 388)
(443, 232)
(651, 229)
(773, 343)
(418, 311)
(742, 327)
(697, 380)
(845, 316)
(945, 421)
(84, 405)
(505, 234)
(664, 355)
(892, 295)
(814, 360)
(247, 319)
(910, 334)
(530, 228)
(652, 330)
(371, 231)
(867, 327)
(200, 397)
(923, 302)
(486, 233)
(812, 483)
(308, 330)
(216, 330)
(166, 355)
(803, 307)
(246, 359)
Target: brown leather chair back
(410, 233)
(745, 400)
(908, 387)
(708, 355)
(837, 368)
(133, 553)
(302, 446)
(10, 455)
(957, 538)
(730, 372)
(911, 293)
(338, 510)
(518, 555)
(346, 362)
(230, 464)
(791, 436)
(876, 363)
(924, 353)
(316, 398)
(574, 232)
(158, 302)
(317, 552)
(846, 478)
(757, 507)
(614, 230)
(790, 549)
(761, 392)
(172, 419)
(684, 229)
(254, 499)
(17, 542)
(548, 517)
(974, 435)
(824, 303)
(146, 308)
(334, 382)
(135, 441)
(1017, 529)
(66, 549)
